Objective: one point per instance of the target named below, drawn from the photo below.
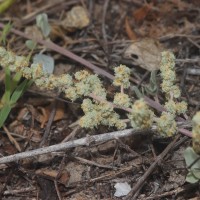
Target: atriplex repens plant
(98, 110)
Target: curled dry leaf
(146, 53)
(46, 111)
(76, 18)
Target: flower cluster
(20, 64)
(176, 107)
(122, 74)
(8, 58)
(141, 116)
(122, 99)
(100, 113)
(50, 81)
(85, 84)
(168, 75)
(196, 133)
(166, 124)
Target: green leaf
(190, 156)
(4, 114)
(15, 81)
(20, 89)
(7, 93)
(191, 178)
(5, 4)
(5, 32)
(137, 92)
(30, 82)
(153, 77)
(43, 24)
(196, 173)
(152, 87)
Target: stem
(86, 141)
(122, 89)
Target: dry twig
(86, 141)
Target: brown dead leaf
(52, 174)
(64, 177)
(146, 53)
(44, 116)
(46, 111)
(76, 18)
(131, 34)
(140, 14)
(47, 172)
(22, 114)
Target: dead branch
(86, 141)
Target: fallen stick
(86, 141)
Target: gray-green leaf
(191, 178)
(46, 61)
(190, 156)
(43, 24)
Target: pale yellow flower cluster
(196, 132)
(166, 123)
(99, 111)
